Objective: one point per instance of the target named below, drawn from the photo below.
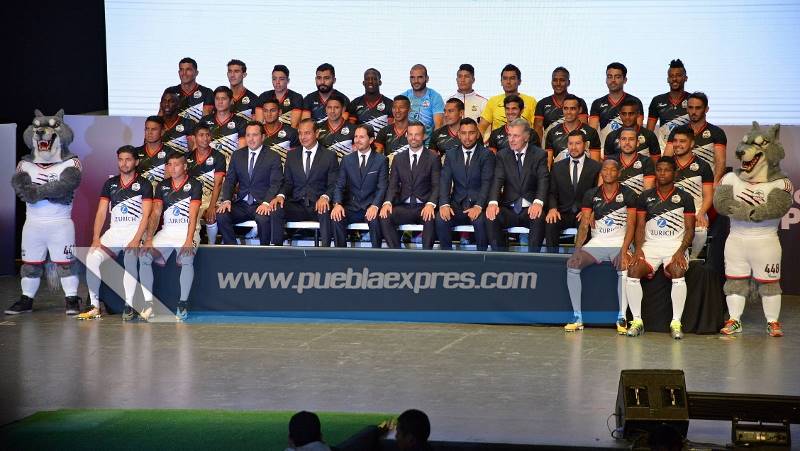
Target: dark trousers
(241, 212)
(552, 232)
(353, 216)
(407, 214)
(508, 218)
(297, 211)
(445, 235)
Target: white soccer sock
(129, 278)
(678, 298)
(574, 288)
(772, 307)
(735, 306)
(634, 291)
(70, 285)
(186, 278)
(93, 262)
(211, 231)
(146, 277)
(699, 241)
(30, 285)
(622, 294)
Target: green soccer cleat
(636, 328)
(675, 329)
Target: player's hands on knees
(428, 212)
(133, 246)
(263, 209)
(210, 216)
(473, 212)
(624, 260)
(491, 211)
(553, 216)
(95, 244)
(386, 210)
(445, 212)
(188, 248)
(337, 214)
(701, 221)
(534, 211)
(147, 247)
(679, 261)
(372, 213)
(322, 205)
(224, 207)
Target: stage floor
(517, 384)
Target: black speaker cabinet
(648, 398)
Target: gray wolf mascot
(755, 197)
(46, 181)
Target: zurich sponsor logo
(661, 223)
(608, 222)
(124, 209)
(176, 211)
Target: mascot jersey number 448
(46, 181)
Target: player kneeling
(127, 197)
(610, 211)
(178, 198)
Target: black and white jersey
(152, 166)
(443, 140)
(610, 212)
(190, 104)
(647, 143)
(338, 139)
(556, 140)
(176, 133)
(125, 202)
(391, 141)
(291, 101)
(669, 114)
(705, 141)
(176, 201)
(314, 104)
(204, 170)
(607, 112)
(691, 178)
(244, 106)
(375, 114)
(281, 140)
(664, 215)
(633, 173)
(225, 134)
(550, 111)
(498, 139)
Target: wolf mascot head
(48, 137)
(760, 154)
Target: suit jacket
(267, 175)
(356, 191)
(561, 196)
(509, 185)
(463, 187)
(321, 178)
(422, 184)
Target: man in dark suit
(467, 175)
(413, 189)
(257, 172)
(519, 188)
(309, 179)
(569, 181)
(361, 188)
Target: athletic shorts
(603, 250)
(168, 241)
(657, 254)
(757, 255)
(56, 237)
(115, 239)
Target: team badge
(136, 186)
(694, 166)
(641, 139)
(246, 100)
(209, 161)
(684, 103)
(637, 164)
(161, 154)
(675, 198)
(619, 198)
(474, 108)
(286, 102)
(345, 131)
(281, 134)
(179, 128)
(231, 125)
(187, 187)
(707, 134)
(197, 94)
(381, 106)
(426, 103)
(615, 125)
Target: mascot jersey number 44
(755, 197)
(46, 181)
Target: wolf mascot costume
(46, 181)
(755, 197)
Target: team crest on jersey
(637, 165)
(381, 106)
(246, 100)
(694, 166)
(286, 102)
(187, 187)
(641, 139)
(179, 128)
(281, 134)
(707, 134)
(209, 161)
(231, 125)
(675, 198)
(426, 104)
(161, 154)
(197, 94)
(474, 108)
(619, 198)
(684, 103)
(136, 186)
(345, 131)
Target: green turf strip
(93, 429)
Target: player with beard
(426, 104)
(336, 133)
(637, 171)
(555, 142)
(314, 103)
(710, 142)
(604, 113)
(668, 110)
(647, 140)
(695, 177)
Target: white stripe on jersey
(663, 132)
(378, 123)
(668, 226)
(177, 215)
(341, 148)
(194, 112)
(693, 186)
(226, 145)
(180, 144)
(612, 226)
(636, 183)
(612, 125)
(706, 153)
(155, 174)
(755, 194)
(127, 213)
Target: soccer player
(290, 102)
(243, 99)
(609, 210)
(195, 100)
(446, 138)
(548, 112)
(208, 167)
(494, 114)
(555, 143)
(127, 197)
(152, 156)
(360, 188)
(664, 231)
(669, 110)
(279, 137)
(177, 134)
(426, 104)
(710, 142)
(637, 171)
(336, 133)
(695, 177)
(647, 141)
(372, 108)
(314, 103)
(474, 103)
(604, 113)
(227, 129)
(392, 138)
(178, 200)
(466, 178)
(498, 139)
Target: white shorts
(56, 237)
(115, 239)
(168, 241)
(657, 254)
(758, 255)
(603, 250)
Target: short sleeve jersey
(610, 212)
(281, 140)
(244, 106)
(375, 114)
(647, 143)
(338, 139)
(705, 141)
(391, 141)
(495, 112)
(176, 133)
(424, 108)
(176, 201)
(190, 104)
(125, 202)
(205, 170)
(152, 166)
(291, 101)
(664, 215)
(692, 177)
(552, 114)
(669, 114)
(755, 194)
(607, 112)
(556, 140)
(633, 173)
(225, 134)
(443, 140)
(314, 104)
(41, 174)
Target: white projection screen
(743, 54)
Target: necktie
(308, 162)
(251, 164)
(519, 163)
(414, 163)
(575, 175)
(363, 166)
(518, 202)
(469, 157)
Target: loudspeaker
(648, 398)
